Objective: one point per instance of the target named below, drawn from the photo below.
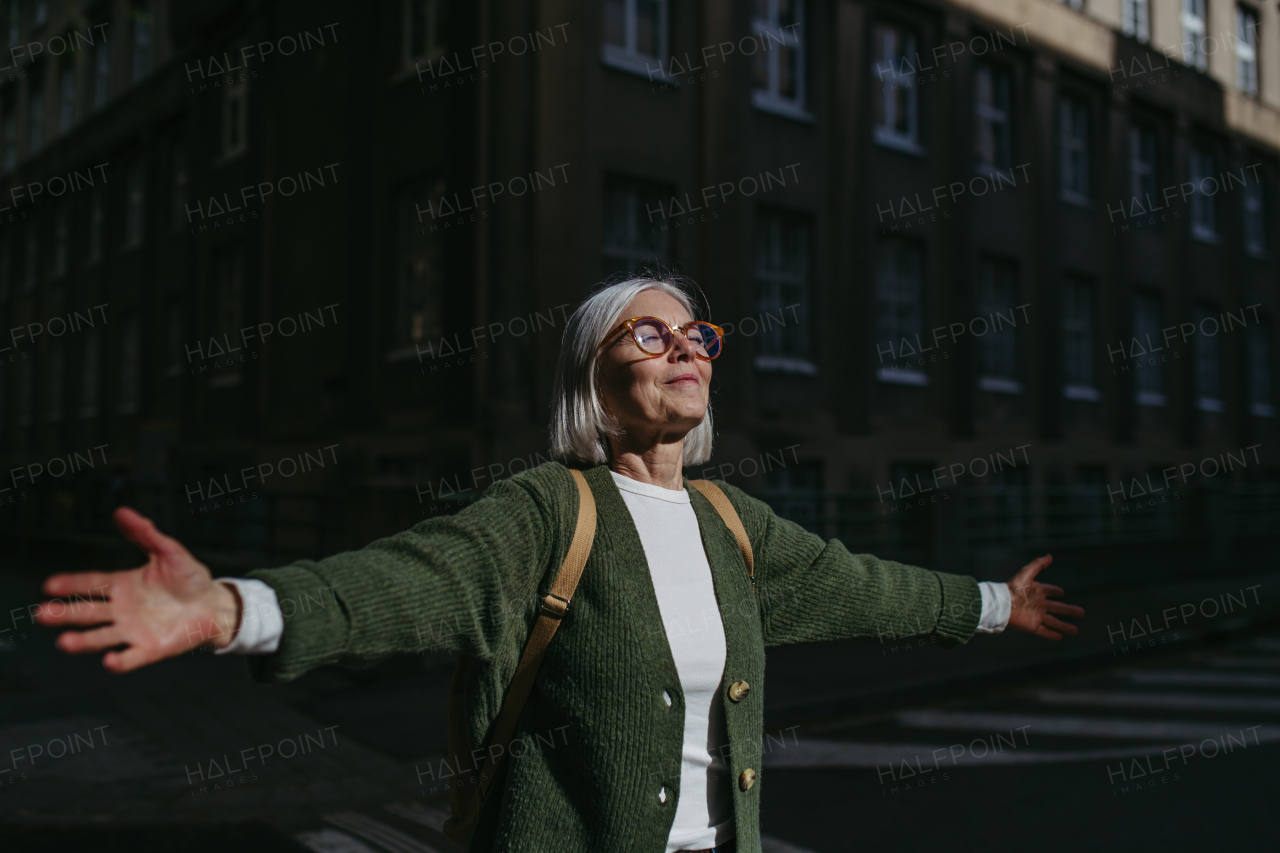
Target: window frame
(1087, 331)
(777, 221)
(1248, 72)
(884, 132)
(896, 295)
(1201, 205)
(768, 99)
(1071, 108)
(1148, 333)
(989, 269)
(627, 57)
(994, 114)
(1194, 13)
(1135, 19)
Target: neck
(659, 465)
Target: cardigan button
(662, 794)
(666, 697)
(747, 779)
(738, 691)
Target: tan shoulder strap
(554, 606)
(720, 501)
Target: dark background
(408, 198)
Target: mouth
(684, 379)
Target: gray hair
(580, 427)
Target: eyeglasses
(655, 337)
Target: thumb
(142, 531)
(1030, 570)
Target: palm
(166, 607)
(1034, 608)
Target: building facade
(278, 237)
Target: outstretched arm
(448, 583)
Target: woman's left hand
(1032, 609)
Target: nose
(681, 346)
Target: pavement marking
(428, 816)
(1067, 726)
(332, 841)
(1231, 661)
(1175, 701)
(769, 844)
(1200, 678)
(386, 837)
(814, 754)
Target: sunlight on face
(654, 398)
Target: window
(1255, 231)
(135, 204)
(778, 67)
(235, 117)
(56, 366)
(96, 222)
(42, 12)
(1142, 166)
(991, 117)
(782, 291)
(998, 354)
(61, 241)
(1259, 338)
(635, 230)
(228, 290)
(90, 384)
(795, 492)
(180, 188)
(1077, 333)
(101, 74)
(30, 266)
(1074, 4)
(26, 392)
(130, 358)
(1204, 220)
(1247, 50)
(1148, 364)
(66, 98)
(175, 350)
(10, 137)
(1135, 19)
(424, 30)
(897, 113)
(141, 41)
(419, 300)
(1208, 362)
(1193, 34)
(6, 267)
(36, 117)
(1074, 119)
(898, 313)
(15, 24)
(635, 36)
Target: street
(190, 754)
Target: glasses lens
(705, 338)
(653, 337)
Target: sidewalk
(811, 683)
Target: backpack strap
(554, 606)
(729, 515)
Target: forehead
(655, 303)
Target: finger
(80, 583)
(82, 642)
(59, 612)
(129, 659)
(1030, 570)
(1042, 631)
(1058, 625)
(142, 531)
(1064, 609)
(1052, 591)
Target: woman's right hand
(165, 608)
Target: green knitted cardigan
(597, 742)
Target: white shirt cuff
(996, 604)
(261, 622)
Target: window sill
(172, 371)
(226, 380)
(1076, 200)
(1153, 399)
(785, 364)
(1211, 404)
(1081, 392)
(894, 376)
(635, 63)
(769, 103)
(888, 139)
(999, 385)
(1257, 253)
(1262, 410)
(1203, 235)
(409, 353)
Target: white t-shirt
(681, 575)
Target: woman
(659, 729)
